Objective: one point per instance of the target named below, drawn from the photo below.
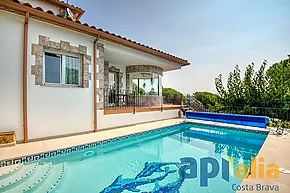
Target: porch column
(100, 76)
(119, 76)
(128, 83)
(106, 76)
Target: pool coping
(22, 153)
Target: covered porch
(133, 81)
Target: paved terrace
(276, 149)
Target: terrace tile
(275, 150)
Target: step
(35, 181)
(7, 171)
(17, 177)
(55, 177)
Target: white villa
(62, 77)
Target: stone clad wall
(106, 76)
(45, 43)
(144, 68)
(128, 82)
(100, 76)
(119, 76)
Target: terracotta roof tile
(39, 8)
(28, 5)
(50, 12)
(64, 4)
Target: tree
(207, 99)
(263, 88)
(135, 89)
(249, 86)
(278, 78)
(234, 95)
(173, 96)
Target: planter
(7, 139)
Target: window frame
(62, 68)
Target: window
(72, 65)
(61, 69)
(146, 83)
(52, 68)
(112, 81)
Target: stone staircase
(35, 177)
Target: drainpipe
(25, 127)
(95, 84)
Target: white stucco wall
(11, 48)
(114, 120)
(58, 110)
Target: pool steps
(22, 174)
(34, 181)
(39, 178)
(9, 170)
(53, 179)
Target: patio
(274, 151)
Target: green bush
(284, 124)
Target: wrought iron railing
(127, 99)
(273, 113)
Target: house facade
(61, 77)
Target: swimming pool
(143, 162)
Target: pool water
(117, 166)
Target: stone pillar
(120, 81)
(106, 76)
(128, 89)
(106, 83)
(119, 76)
(100, 75)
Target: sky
(213, 35)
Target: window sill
(61, 85)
